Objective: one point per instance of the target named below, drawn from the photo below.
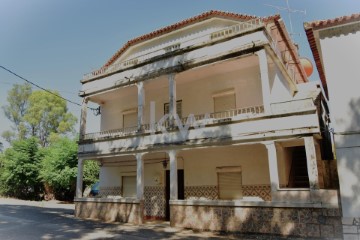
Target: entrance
(180, 179)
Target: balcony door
(130, 119)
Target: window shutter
(178, 108)
(129, 186)
(130, 120)
(224, 102)
(230, 185)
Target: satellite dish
(307, 65)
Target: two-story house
(335, 44)
(210, 123)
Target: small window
(178, 108)
(129, 119)
(229, 183)
(224, 102)
(129, 186)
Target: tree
(20, 170)
(48, 114)
(1, 147)
(59, 168)
(16, 109)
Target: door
(167, 191)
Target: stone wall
(109, 211)
(284, 221)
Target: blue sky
(53, 43)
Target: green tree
(48, 114)
(15, 111)
(59, 168)
(20, 170)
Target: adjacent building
(335, 44)
(211, 123)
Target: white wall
(200, 165)
(341, 58)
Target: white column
(141, 103)
(311, 162)
(265, 82)
(79, 179)
(173, 175)
(139, 176)
(83, 118)
(273, 166)
(172, 98)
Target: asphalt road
(50, 220)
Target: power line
(36, 85)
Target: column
(172, 98)
(141, 102)
(79, 179)
(173, 175)
(265, 83)
(311, 162)
(83, 118)
(273, 166)
(139, 176)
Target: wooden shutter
(130, 120)
(129, 186)
(178, 108)
(224, 102)
(229, 184)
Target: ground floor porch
(250, 188)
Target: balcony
(192, 121)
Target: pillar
(265, 82)
(139, 176)
(172, 98)
(83, 118)
(79, 179)
(141, 103)
(173, 175)
(311, 162)
(273, 167)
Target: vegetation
(42, 158)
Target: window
(178, 108)
(224, 101)
(229, 183)
(130, 118)
(129, 186)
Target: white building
(249, 161)
(335, 44)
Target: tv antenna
(290, 11)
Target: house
(335, 44)
(210, 123)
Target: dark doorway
(180, 174)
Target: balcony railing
(206, 38)
(194, 121)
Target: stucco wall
(341, 56)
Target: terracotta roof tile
(181, 24)
(310, 27)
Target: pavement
(55, 220)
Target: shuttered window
(129, 186)
(130, 119)
(224, 102)
(229, 183)
(178, 108)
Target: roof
(310, 27)
(202, 17)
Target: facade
(336, 49)
(210, 123)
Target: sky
(53, 43)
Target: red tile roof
(310, 27)
(181, 24)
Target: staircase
(299, 177)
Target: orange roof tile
(181, 24)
